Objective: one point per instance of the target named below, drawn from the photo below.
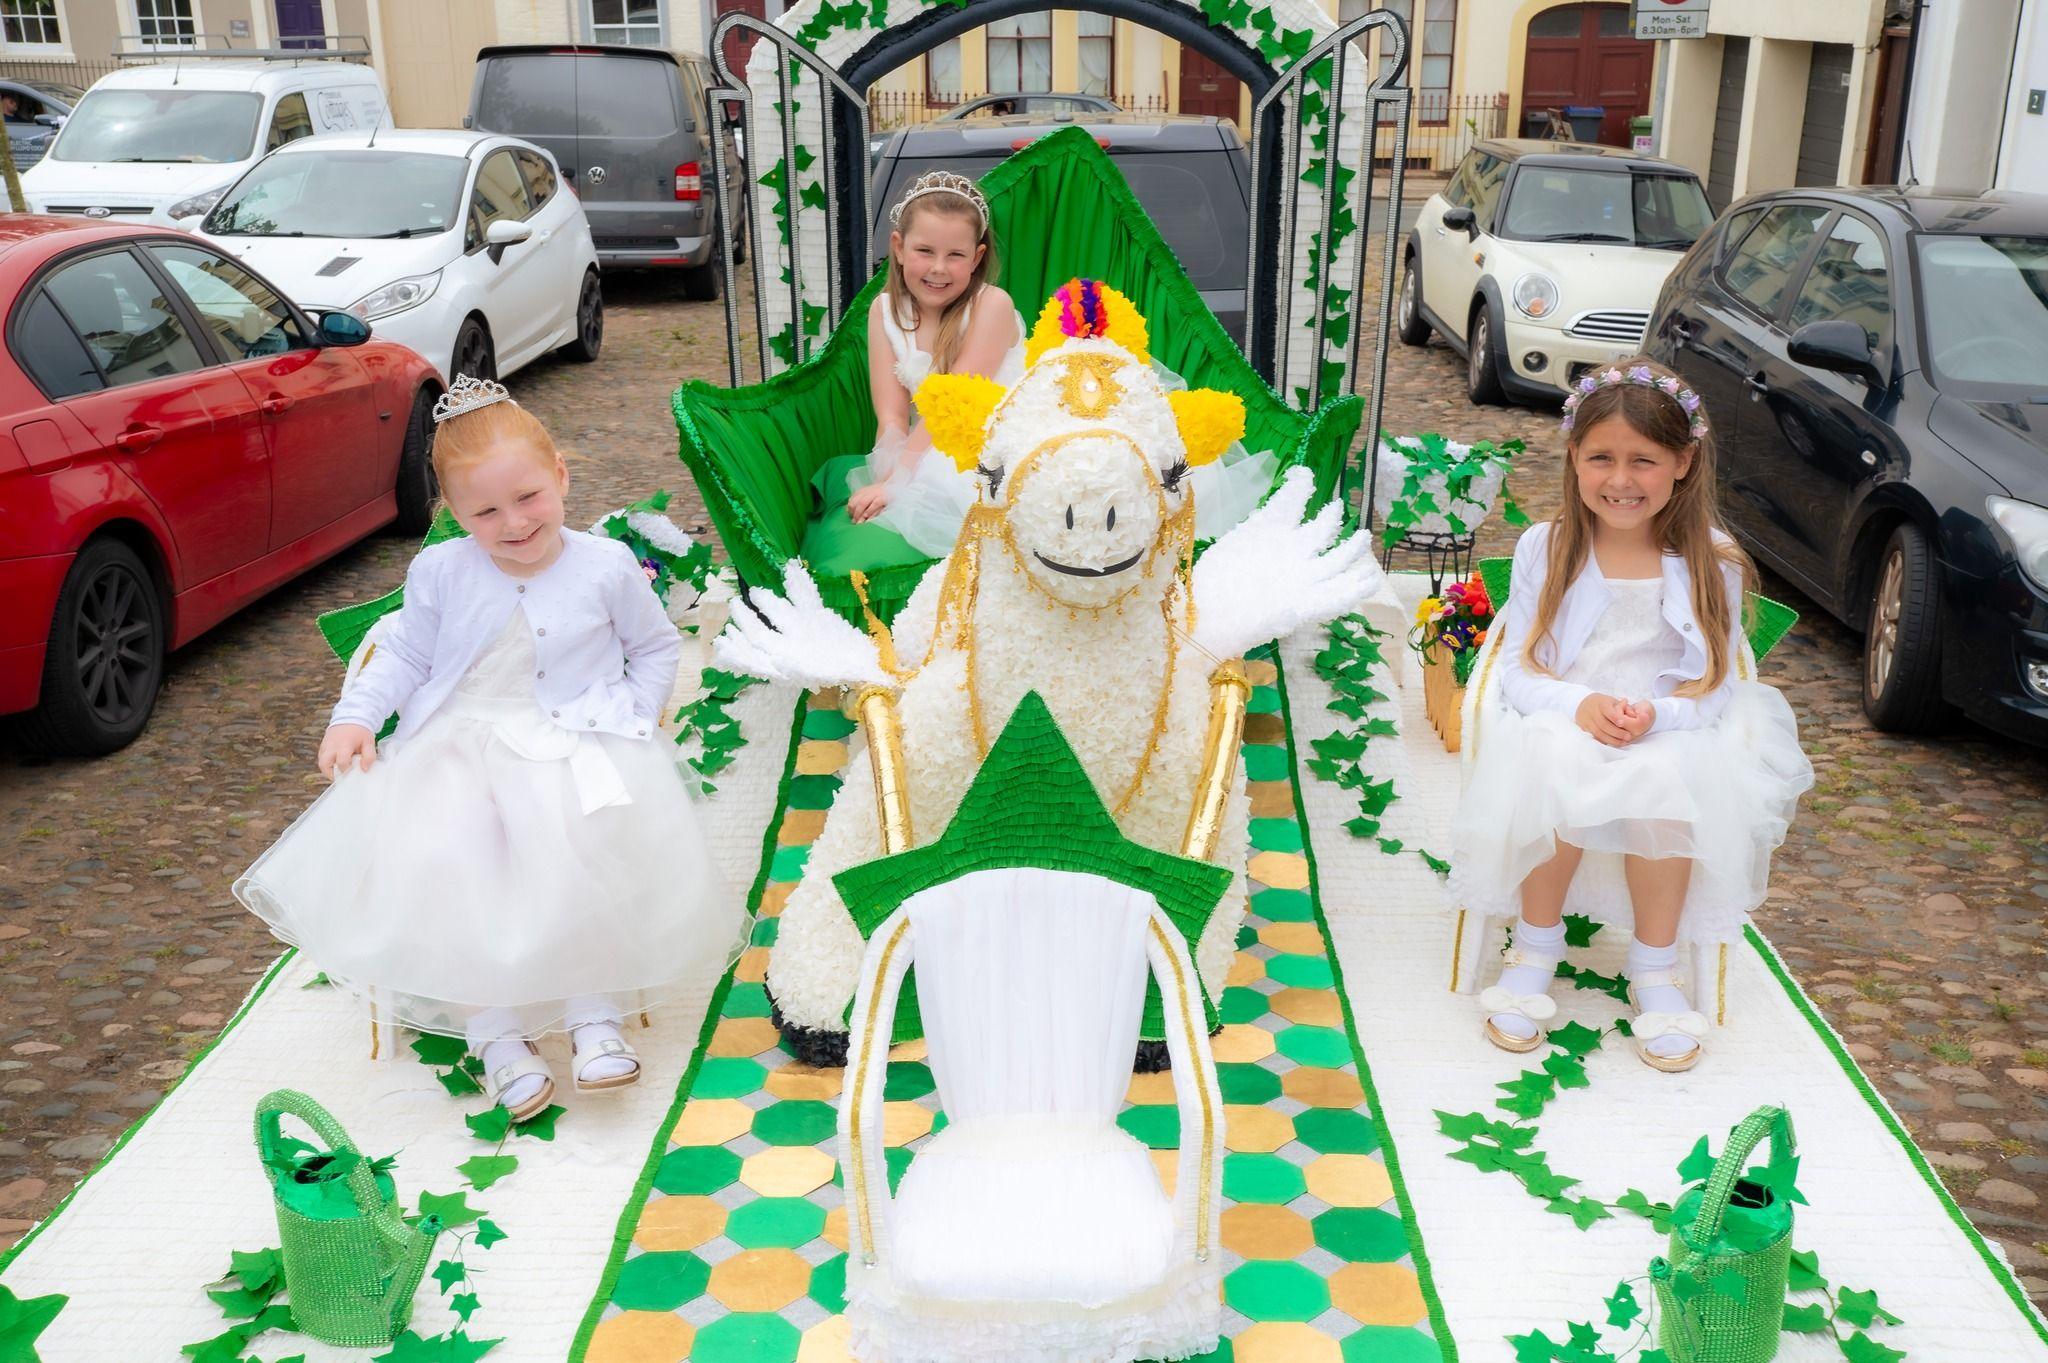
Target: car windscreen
(1192, 197)
(66, 95)
(366, 193)
(1984, 314)
(1635, 208)
(204, 126)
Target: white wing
(796, 638)
(1276, 572)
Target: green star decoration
(1032, 804)
(21, 1321)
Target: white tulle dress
(461, 875)
(1722, 795)
(930, 500)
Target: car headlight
(1536, 295)
(197, 205)
(396, 296)
(2026, 525)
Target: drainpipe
(1906, 88)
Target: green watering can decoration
(1721, 1293)
(351, 1262)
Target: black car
(1875, 364)
(1190, 174)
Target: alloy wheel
(590, 315)
(1475, 361)
(1884, 624)
(115, 645)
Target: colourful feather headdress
(1085, 308)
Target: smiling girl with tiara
(523, 856)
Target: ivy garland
(709, 720)
(1509, 1146)
(1346, 666)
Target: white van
(160, 143)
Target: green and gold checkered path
(738, 1252)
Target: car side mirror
(1463, 220)
(1837, 346)
(505, 232)
(343, 328)
(50, 120)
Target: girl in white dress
(523, 856)
(1627, 729)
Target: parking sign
(1671, 18)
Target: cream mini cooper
(1541, 260)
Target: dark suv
(1875, 364)
(1189, 173)
(631, 128)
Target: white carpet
(1503, 1264)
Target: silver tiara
(942, 182)
(467, 394)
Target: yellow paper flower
(955, 409)
(1086, 307)
(1426, 608)
(1208, 421)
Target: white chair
(1478, 938)
(1032, 1229)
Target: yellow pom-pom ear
(1209, 421)
(955, 409)
(1084, 308)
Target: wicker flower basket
(1442, 697)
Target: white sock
(1644, 959)
(504, 1051)
(1540, 950)
(589, 1037)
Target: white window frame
(1017, 53)
(590, 24)
(60, 50)
(1081, 42)
(134, 10)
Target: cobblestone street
(1910, 898)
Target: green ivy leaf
(1861, 1308)
(1584, 1212)
(1804, 1274)
(1534, 1347)
(490, 1124)
(1579, 930)
(1806, 1320)
(453, 1347)
(463, 1304)
(541, 1126)
(240, 1303)
(488, 1234)
(1461, 1126)
(1695, 1167)
(1568, 1070)
(1861, 1348)
(1622, 1307)
(453, 1208)
(449, 1273)
(257, 1268)
(459, 1082)
(1575, 1039)
(433, 1049)
(22, 1320)
(484, 1170)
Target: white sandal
(1535, 1009)
(613, 1046)
(1647, 1027)
(511, 1072)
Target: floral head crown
(942, 182)
(1669, 385)
(467, 394)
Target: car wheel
(473, 354)
(1414, 331)
(700, 282)
(1482, 374)
(105, 661)
(589, 322)
(417, 486)
(1902, 644)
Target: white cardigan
(606, 654)
(1584, 601)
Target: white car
(1539, 261)
(159, 143)
(466, 246)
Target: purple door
(300, 24)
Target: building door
(1827, 107)
(300, 24)
(1728, 122)
(1588, 55)
(1881, 154)
(1205, 87)
(739, 46)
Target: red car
(176, 438)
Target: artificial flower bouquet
(1448, 632)
(1431, 486)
